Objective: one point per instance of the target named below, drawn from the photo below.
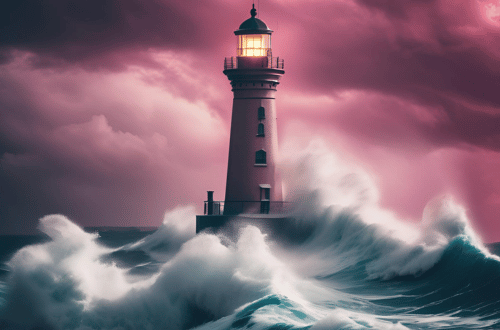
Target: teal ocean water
(345, 274)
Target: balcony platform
(277, 226)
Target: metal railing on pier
(247, 207)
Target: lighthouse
(253, 185)
(253, 182)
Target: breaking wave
(357, 267)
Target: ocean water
(358, 267)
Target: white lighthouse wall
(244, 176)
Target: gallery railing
(271, 63)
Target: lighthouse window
(260, 157)
(262, 113)
(260, 130)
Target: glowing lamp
(254, 45)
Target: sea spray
(176, 229)
(341, 201)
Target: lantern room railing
(274, 63)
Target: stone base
(277, 226)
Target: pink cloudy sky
(112, 111)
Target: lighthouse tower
(253, 182)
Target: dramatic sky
(113, 111)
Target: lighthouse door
(265, 193)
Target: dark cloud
(90, 33)
(396, 8)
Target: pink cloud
(113, 112)
(105, 148)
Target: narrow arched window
(260, 130)
(262, 113)
(260, 157)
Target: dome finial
(253, 12)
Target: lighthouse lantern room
(254, 37)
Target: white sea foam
(63, 283)
(206, 279)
